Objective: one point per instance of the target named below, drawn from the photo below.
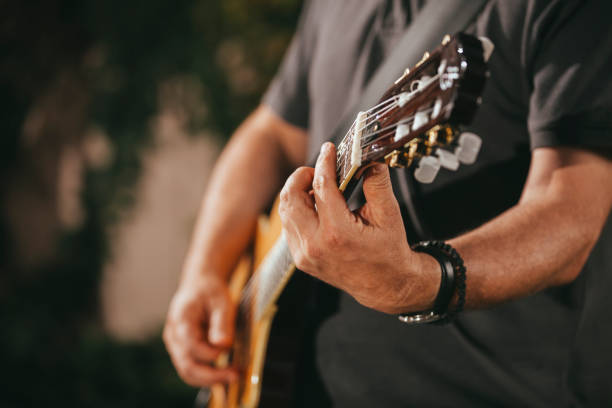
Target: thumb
(222, 320)
(378, 190)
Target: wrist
(452, 282)
(423, 284)
(199, 267)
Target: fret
(343, 158)
(353, 151)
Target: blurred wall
(149, 244)
(111, 115)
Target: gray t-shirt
(550, 85)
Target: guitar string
(367, 123)
(399, 122)
(392, 101)
(410, 96)
(344, 145)
(406, 120)
(378, 110)
(420, 86)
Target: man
(529, 219)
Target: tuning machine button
(402, 130)
(420, 119)
(437, 108)
(468, 147)
(447, 159)
(427, 170)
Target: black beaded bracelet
(452, 281)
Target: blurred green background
(95, 95)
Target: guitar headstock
(416, 122)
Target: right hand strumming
(199, 326)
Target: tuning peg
(401, 131)
(447, 159)
(404, 75)
(425, 57)
(420, 118)
(468, 147)
(427, 169)
(437, 108)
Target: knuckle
(297, 177)
(333, 238)
(188, 371)
(189, 347)
(320, 182)
(194, 375)
(284, 197)
(303, 171)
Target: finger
(222, 321)
(201, 375)
(189, 340)
(330, 202)
(296, 208)
(378, 192)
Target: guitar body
(251, 337)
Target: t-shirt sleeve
(571, 84)
(287, 94)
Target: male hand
(365, 252)
(199, 326)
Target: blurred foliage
(116, 54)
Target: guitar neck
(270, 278)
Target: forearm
(528, 248)
(543, 241)
(249, 172)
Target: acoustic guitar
(416, 124)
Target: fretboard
(348, 155)
(270, 277)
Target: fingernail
(216, 337)
(325, 147)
